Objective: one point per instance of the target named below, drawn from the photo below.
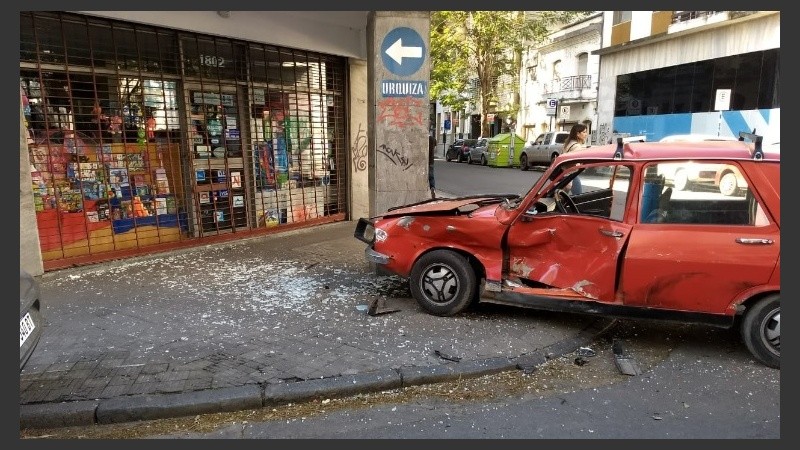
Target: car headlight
(365, 231)
(369, 233)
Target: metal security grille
(141, 136)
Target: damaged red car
(626, 244)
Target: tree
(487, 46)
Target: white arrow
(397, 52)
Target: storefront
(143, 137)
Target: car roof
(675, 150)
(696, 138)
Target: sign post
(550, 107)
(722, 102)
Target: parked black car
(459, 150)
(453, 150)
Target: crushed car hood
(447, 205)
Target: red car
(627, 245)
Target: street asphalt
(255, 323)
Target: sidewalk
(275, 319)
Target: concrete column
(30, 253)
(398, 55)
(359, 130)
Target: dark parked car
(30, 317)
(453, 150)
(459, 150)
(628, 245)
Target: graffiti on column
(397, 157)
(402, 112)
(360, 150)
(603, 133)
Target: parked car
(543, 150)
(461, 154)
(477, 153)
(694, 176)
(627, 246)
(453, 150)
(30, 316)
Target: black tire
(523, 162)
(483, 160)
(761, 330)
(447, 157)
(443, 283)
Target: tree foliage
(484, 45)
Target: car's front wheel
(443, 282)
(523, 162)
(483, 160)
(761, 330)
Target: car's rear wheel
(761, 330)
(443, 282)
(681, 180)
(523, 162)
(483, 160)
(728, 184)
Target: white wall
(533, 112)
(341, 33)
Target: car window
(561, 138)
(687, 192)
(600, 190)
(538, 140)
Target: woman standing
(575, 141)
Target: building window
(691, 88)
(583, 63)
(557, 70)
(622, 16)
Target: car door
(704, 251)
(533, 152)
(568, 253)
(542, 152)
(479, 150)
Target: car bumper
(376, 257)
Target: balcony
(576, 87)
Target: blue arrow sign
(403, 51)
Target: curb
(151, 407)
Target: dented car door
(575, 252)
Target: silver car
(30, 317)
(477, 154)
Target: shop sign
(212, 98)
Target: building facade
(145, 131)
(680, 72)
(562, 71)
